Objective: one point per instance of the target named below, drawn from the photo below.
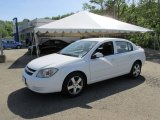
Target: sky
(32, 9)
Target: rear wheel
(136, 70)
(73, 84)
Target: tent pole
(33, 41)
(36, 41)
(157, 41)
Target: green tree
(4, 33)
(145, 13)
(101, 3)
(6, 28)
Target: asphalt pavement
(120, 98)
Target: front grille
(29, 71)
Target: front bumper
(43, 85)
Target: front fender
(82, 66)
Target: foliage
(6, 28)
(145, 13)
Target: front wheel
(136, 70)
(73, 84)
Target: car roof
(104, 39)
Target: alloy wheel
(75, 85)
(136, 70)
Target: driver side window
(106, 48)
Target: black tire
(72, 89)
(135, 70)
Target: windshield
(78, 48)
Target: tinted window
(106, 48)
(53, 42)
(48, 43)
(123, 46)
(57, 42)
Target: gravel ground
(120, 98)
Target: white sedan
(83, 62)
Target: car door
(60, 44)
(123, 59)
(103, 68)
(46, 47)
(4, 43)
(12, 44)
(7, 44)
(52, 47)
(57, 45)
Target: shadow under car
(31, 105)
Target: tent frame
(36, 36)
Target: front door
(103, 68)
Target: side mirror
(97, 55)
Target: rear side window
(123, 46)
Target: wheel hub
(137, 70)
(75, 85)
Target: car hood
(52, 60)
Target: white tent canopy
(86, 22)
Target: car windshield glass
(78, 48)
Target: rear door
(59, 45)
(12, 44)
(124, 51)
(47, 47)
(8, 44)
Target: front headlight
(46, 73)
